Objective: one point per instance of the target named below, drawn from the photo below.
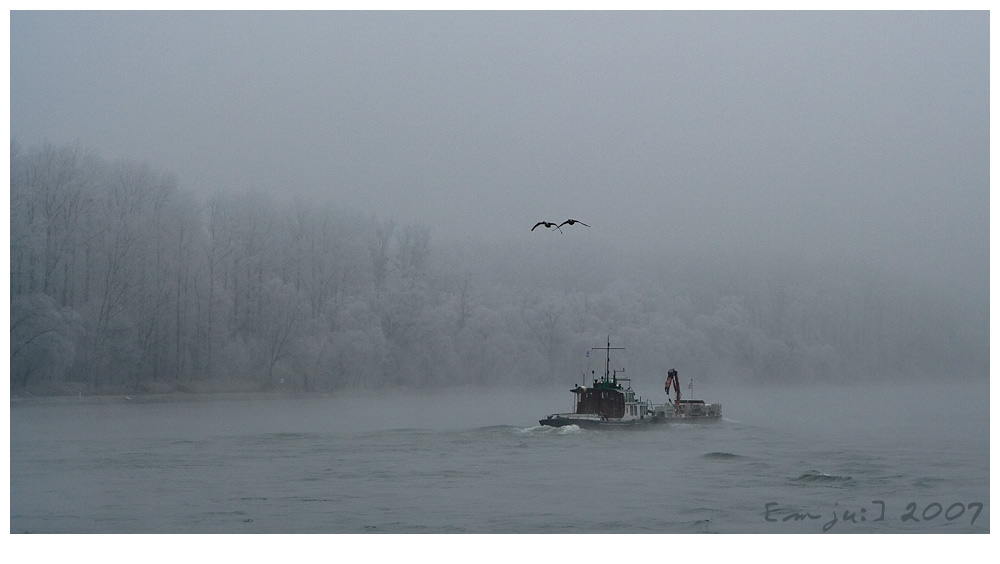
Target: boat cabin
(608, 399)
(600, 400)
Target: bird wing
(540, 223)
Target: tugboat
(611, 402)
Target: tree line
(122, 281)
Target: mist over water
(345, 199)
(479, 462)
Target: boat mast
(607, 359)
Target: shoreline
(162, 397)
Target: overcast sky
(843, 134)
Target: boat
(611, 402)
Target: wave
(547, 430)
(699, 526)
(813, 477)
(722, 456)
(928, 482)
(488, 431)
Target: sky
(859, 136)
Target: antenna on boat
(607, 358)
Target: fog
(320, 201)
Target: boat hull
(567, 419)
(561, 420)
(689, 419)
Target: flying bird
(573, 221)
(547, 224)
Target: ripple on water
(814, 477)
(722, 456)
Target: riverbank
(167, 397)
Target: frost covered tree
(42, 341)
(121, 280)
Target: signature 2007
(913, 513)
